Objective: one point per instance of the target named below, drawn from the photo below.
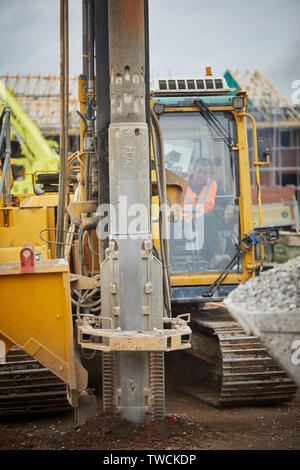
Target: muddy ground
(189, 425)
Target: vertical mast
(130, 295)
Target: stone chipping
(273, 291)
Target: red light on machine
(27, 258)
(208, 71)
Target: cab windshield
(205, 237)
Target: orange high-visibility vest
(206, 200)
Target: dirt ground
(189, 425)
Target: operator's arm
(229, 213)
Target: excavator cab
(204, 143)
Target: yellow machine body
(36, 316)
(24, 223)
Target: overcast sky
(185, 36)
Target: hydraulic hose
(162, 190)
(64, 122)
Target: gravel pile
(274, 291)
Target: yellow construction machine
(140, 252)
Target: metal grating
(190, 84)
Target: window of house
(285, 139)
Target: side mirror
(264, 150)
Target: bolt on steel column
(130, 276)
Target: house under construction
(40, 97)
(276, 120)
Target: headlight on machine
(159, 108)
(238, 103)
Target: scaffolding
(277, 120)
(40, 97)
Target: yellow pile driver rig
(122, 287)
